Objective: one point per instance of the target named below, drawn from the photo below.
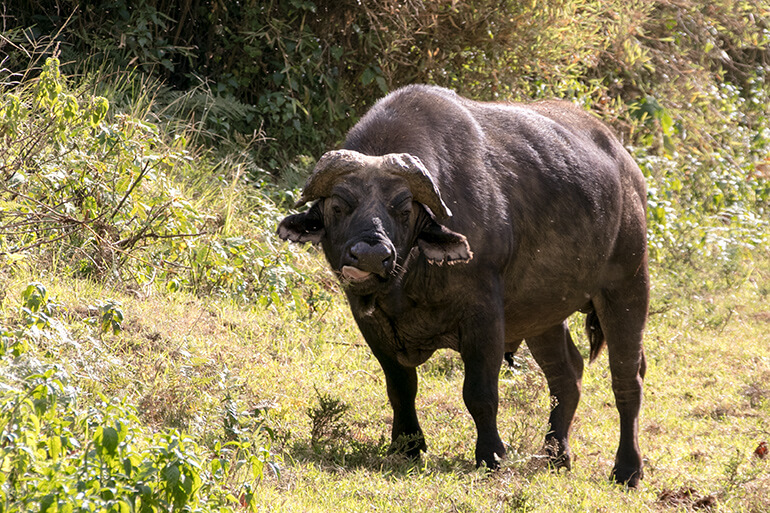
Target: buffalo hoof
(627, 476)
(558, 454)
(561, 461)
(490, 458)
(489, 463)
(408, 445)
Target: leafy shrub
(99, 189)
(102, 196)
(57, 455)
(56, 458)
(302, 70)
(262, 64)
(682, 83)
(327, 425)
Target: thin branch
(39, 243)
(31, 230)
(30, 218)
(129, 242)
(154, 235)
(142, 173)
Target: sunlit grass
(705, 412)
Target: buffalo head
(369, 212)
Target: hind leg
(622, 313)
(562, 365)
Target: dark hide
(549, 219)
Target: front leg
(401, 381)
(482, 348)
(406, 436)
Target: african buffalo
(459, 224)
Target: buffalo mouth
(360, 282)
(356, 278)
(354, 274)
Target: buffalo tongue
(354, 273)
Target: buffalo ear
(305, 227)
(439, 244)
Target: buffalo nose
(377, 258)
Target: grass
(180, 357)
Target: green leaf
(381, 84)
(171, 475)
(106, 440)
(367, 76)
(48, 504)
(16, 180)
(128, 466)
(666, 123)
(34, 296)
(54, 447)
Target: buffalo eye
(406, 213)
(402, 209)
(340, 206)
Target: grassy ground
(179, 357)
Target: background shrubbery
(148, 148)
(106, 195)
(683, 83)
(302, 71)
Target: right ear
(305, 227)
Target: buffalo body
(473, 226)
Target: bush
(57, 455)
(682, 83)
(102, 196)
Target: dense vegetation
(161, 350)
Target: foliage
(683, 83)
(83, 190)
(58, 456)
(258, 64)
(102, 196)
(326, 419)
(110, 317)
(303, 70)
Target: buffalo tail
(595, 334)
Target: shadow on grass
(346, 454)
(336, 445)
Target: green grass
(706, 409)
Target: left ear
(305, 227)
(439, 244)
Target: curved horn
(423, 188)
(338, 163)
(329, 168)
